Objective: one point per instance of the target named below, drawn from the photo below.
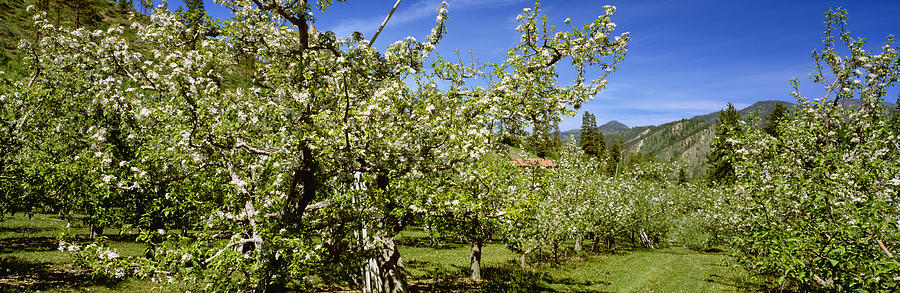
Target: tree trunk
(385, 274)
(475, 260)
(596, 240)
(556, 251)
(522, 258)
(578, 243)
(95, 230)
(300, 193)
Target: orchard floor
(30, 261)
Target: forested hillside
(16, 20)
(685, 141)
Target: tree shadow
(11, 245)
(26, 230)
(439, 243)
(17, 275)
(500, 278)
(734, 282)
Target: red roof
(532, 162)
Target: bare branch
(884, 248)
(384, 23)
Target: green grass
(674, 269)
(30, 261)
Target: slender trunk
(475, 260)
(596, 240)
(578, 240)
(556, 251)
(95, 230)
(522, 258)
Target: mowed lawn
(30, 261)
(674, 269)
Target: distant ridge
(685, 141)
(613, 126)
(760, 109)
(608, 127)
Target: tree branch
(384, 23)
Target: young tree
(472, 200)
(721, 159)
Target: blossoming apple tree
(819, 199)
(254, 129)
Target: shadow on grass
(28, 230)
(501, 278)
(17, 275)
(426, 242)
(741, 283)
(10, 245)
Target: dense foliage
(279, 151)
(819, 197)
(259, 154)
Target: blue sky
(686, 58)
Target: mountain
(685, 141)
(608, 127)
(613, 126)
(760, 109)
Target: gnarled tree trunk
(385, 273)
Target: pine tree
(592, 141)
(778, 114)
(544, 141)
(86, 15)
(126, 6)
(720, 160)
(146, 5)
(195, 11)
(615, 156)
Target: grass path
(664, 270)
(673, 269)
(29, 261)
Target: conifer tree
(195, 11)
(778, 114)
(615, 156)
(592, 141)
(126, 6)
(545, 142)
(720, 160)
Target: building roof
(524, 162)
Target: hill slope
(685, 141)
(16, 22)
(760, 109)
